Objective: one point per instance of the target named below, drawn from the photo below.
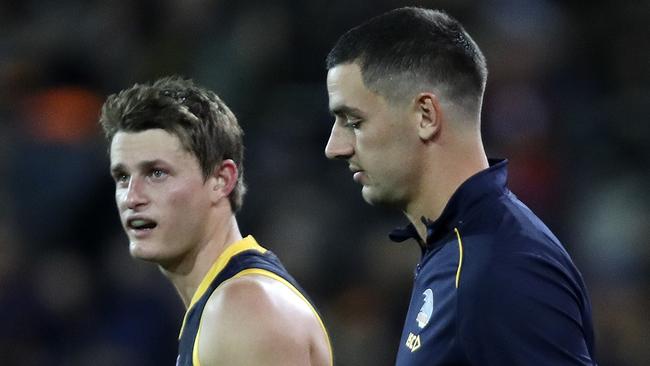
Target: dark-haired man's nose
(340, 145)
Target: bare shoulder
(254, 319)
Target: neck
(187, 275)
(442, 177)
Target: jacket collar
(490, 181)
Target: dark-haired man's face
(376, 138)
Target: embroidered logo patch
(413, 342)
(426, 310)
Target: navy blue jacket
(494, 286)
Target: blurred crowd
(568, 90)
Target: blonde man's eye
(158, 173)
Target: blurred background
(567, 102)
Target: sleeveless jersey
(241, 258)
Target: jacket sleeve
(522, 310)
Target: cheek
(382, 135)
(119, 199)
(394, 159)
(383, 145)
(187, 196)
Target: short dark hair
(203, 123)
(414, 46)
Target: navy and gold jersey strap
(245, 257)
(247, 243)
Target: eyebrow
(143, 165)
(117, 169)
(346, 110)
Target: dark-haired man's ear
(224, 179)
(430, 113)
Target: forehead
(129, 148)
(344, 75)
(345, 87)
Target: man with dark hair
(176, 156)
(494, 286)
